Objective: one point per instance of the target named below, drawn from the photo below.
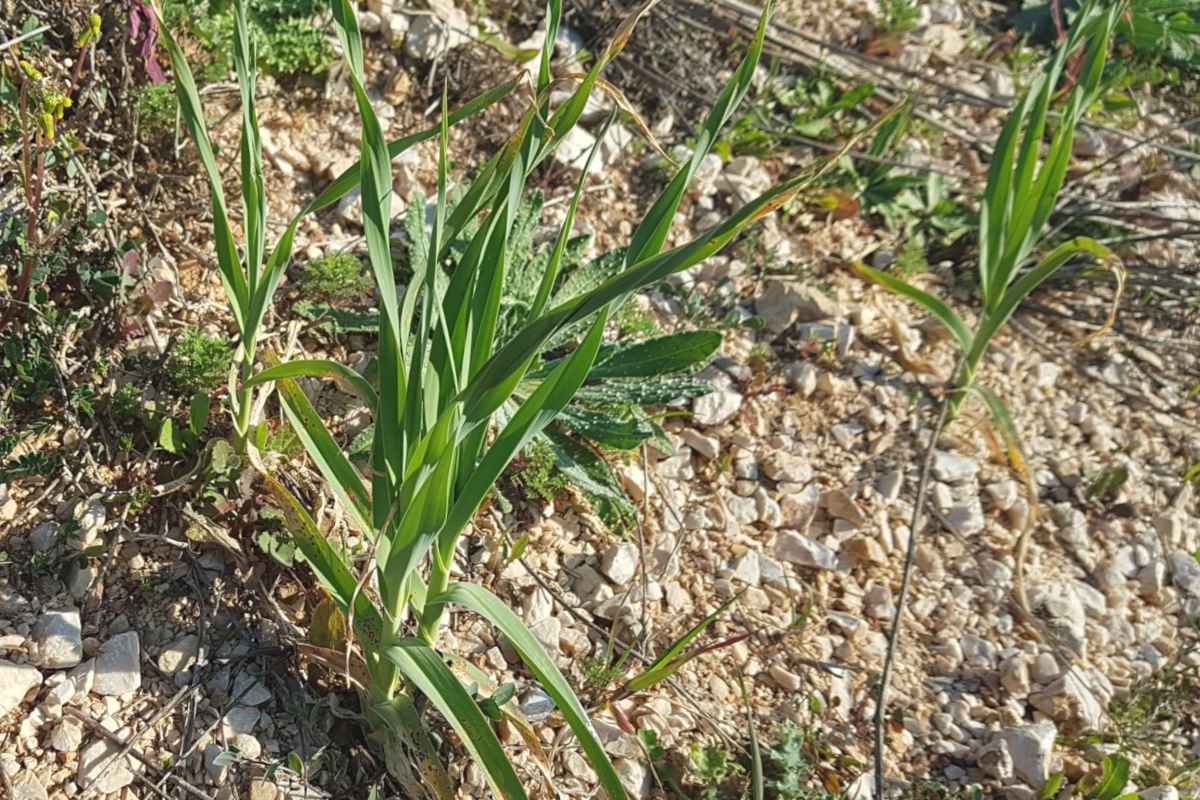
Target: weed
(157, 108)
(897, 16)
(197, 363)
(126, 407)
(635, 323)
(601, 672)
(295, 47)
(27, 369)
(1021, 193)
(460, 392)
(910, 260)
(1159, 713)
(289, 43)
(789, 765)
(813, 106)
(337, 276)
(712, 767)
(538, 474)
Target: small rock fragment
(179, 655)
(535, 704)
(118, 666)
(67, 736)
(1030, 747)
(952, 467)
(620, 562)
(96, 756)
(27, 786)
(716, 407)
(15, 682)
(791, 546)
(58, 638)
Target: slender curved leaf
(347, 379)
(930, 303)
(425, 669)
(491, 608)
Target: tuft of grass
(337, 276)
(197, 363)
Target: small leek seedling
(1021, 192)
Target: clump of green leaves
(459, 392)
(897, 16)
(1156, 30)
(538, 474)
(295, 47)
(810, 106)
(917, 208)
(197, 363)
(337, 276)
(157, 108)
(289, 41)
(609, 412)
(26, 369)
(712, 767)
(789, 766)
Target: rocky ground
(160, 663)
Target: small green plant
(290, 43)
(790, 764)
(337, 276)
(897, 16)
(197, 363)
(1155, 30)
(601, 672)
(712, 767)
(157, 108)
(1020, 195)
(180, 439)
(126, 406)
(295, 47)
(538, 474)
(813, 106)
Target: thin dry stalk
(918, 519)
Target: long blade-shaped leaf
(945, 315)
(329, 567)
(652, 232)
(192, 111)
(551, 680)
(425, 669)
(337, 470)
(661, 355)
(345, 377)
(669, 662)
(254, 201)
